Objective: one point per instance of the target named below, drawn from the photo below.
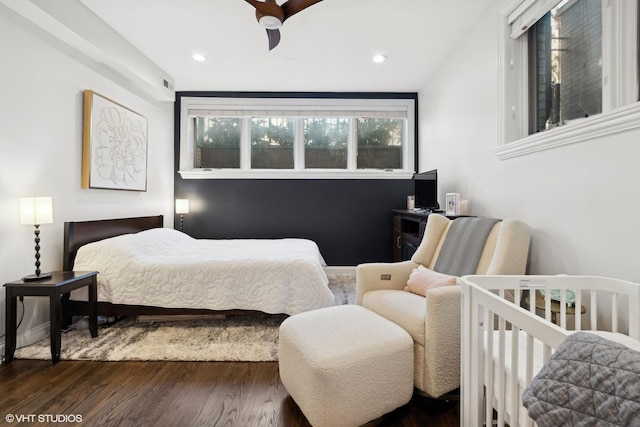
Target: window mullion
(245, 144)
(619, 56)
(610, 54)
(298, 145)
(187, 150)
(407, 148)
(352, 144)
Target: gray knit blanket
(463, 245)
(588, 381)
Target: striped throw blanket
(463, 245)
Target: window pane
(380, 143)
(325, 142)
(566, 64)
(272, 143)
(217, 142)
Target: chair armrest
(442, 327)
(443, 309)
(382, 275)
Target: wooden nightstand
(60, 282)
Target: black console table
(408, 229)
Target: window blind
(527, 13)
(374, 113)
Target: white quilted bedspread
(166, 268)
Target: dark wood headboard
(80, 233)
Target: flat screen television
(426, 190)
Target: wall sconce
(182, 207)
(36, 211)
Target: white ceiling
(327, 47)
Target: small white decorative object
(411, 203)
(463, 205)
(453, 204)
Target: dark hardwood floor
(170, 394)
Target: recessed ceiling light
(198, 57)
(379, 58)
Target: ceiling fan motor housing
(271, 15)
(270, 22)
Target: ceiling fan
(271, 15)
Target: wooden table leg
(93, 304)
(66, 317)
(10, 325)
(55, 314)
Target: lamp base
(36, 277)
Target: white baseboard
(29, 337)
(340, 270)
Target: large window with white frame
(568, 72)
(297, 138)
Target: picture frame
(114, 145)
(452, 204)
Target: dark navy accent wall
(349, 219)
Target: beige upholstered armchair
(433, 320)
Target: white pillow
(422, 279)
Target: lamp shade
(182, 206)
(36, 210)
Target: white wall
(41, 144)
(581, 200)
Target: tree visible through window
(272, 143)
(323, 137)
(217, 142)
(379, 143)
(325, 142)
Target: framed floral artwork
(114, 145)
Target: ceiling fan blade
(291, 7)
(274, 38)
(267, 8)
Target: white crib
(504, 345)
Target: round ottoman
(345, 365)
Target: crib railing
(496, 319)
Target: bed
(145, 269)
(506, 340)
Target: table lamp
(182, 207)
(36, 211)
